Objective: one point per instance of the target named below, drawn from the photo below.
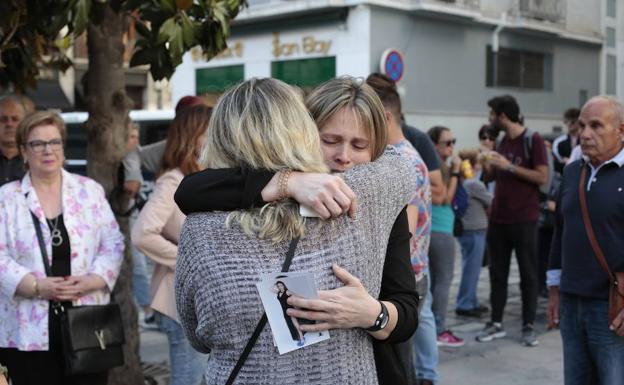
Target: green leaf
(81, 16)
(167, 30)
(188, 31)
(176, 46)
(168, 6)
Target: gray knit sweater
(479, 199)
(217, 269)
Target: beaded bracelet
(283, 184)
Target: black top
(423, 144)
(11, 169)
(61, 267)
(571, 251)
(236, 188)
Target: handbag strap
(44, 254)
(263, 320)
(588, 226)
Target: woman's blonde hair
(264, 124)
(353, 93)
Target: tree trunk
(108, 107)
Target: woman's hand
(51, 287)
(346, 307)
(77, 286)
(328, 195)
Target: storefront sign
(309, 45)
(234, 50)
(392, 64)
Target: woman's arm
(109, 254)
(451, 187)
(240, 188)
(224, 189)
(351, 306)
(147, 230)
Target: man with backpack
(519, 165)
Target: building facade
(551, 55)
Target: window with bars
(518, 69)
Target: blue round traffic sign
(392, 64)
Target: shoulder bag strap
(263, 320)
(588, 226)
(44, 254)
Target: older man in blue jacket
(593, 348)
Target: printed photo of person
(293, 324)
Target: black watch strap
(382, 319)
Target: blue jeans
(472, 247)
(187, 364)
(140, 283)
(425, 341)
(592, 354)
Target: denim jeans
(140, 282)
(472, 247)
(592, 354)
(441, 267)
(425, 339)
(187, 364)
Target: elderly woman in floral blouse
(84, 246)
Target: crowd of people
(391, 207)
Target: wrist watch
(382, 319)
(511, 168)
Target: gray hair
(15, 99)
(616, 106)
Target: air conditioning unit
(551, 10)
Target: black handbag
(93, 335)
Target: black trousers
(45, 367)
(502, 240)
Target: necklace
(57, 238)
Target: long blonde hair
(264, 124)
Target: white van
(153, 126)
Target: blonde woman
(263, 124)
(83, 244)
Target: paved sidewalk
(504, 361)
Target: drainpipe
(499, 27)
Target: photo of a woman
(293, 324)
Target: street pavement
(504, 361)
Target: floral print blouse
(96, 248)
(419, 243)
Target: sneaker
(528, 335)
(482, 309)
(447, 338)
(491, 331)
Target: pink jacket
(156, 233)
(96, 247)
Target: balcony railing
(548, 10)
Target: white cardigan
(96, 247)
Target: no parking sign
(392, 64)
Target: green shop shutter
(305, 72)
(217, 79)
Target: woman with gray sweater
(472, 241)
(265, 125)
